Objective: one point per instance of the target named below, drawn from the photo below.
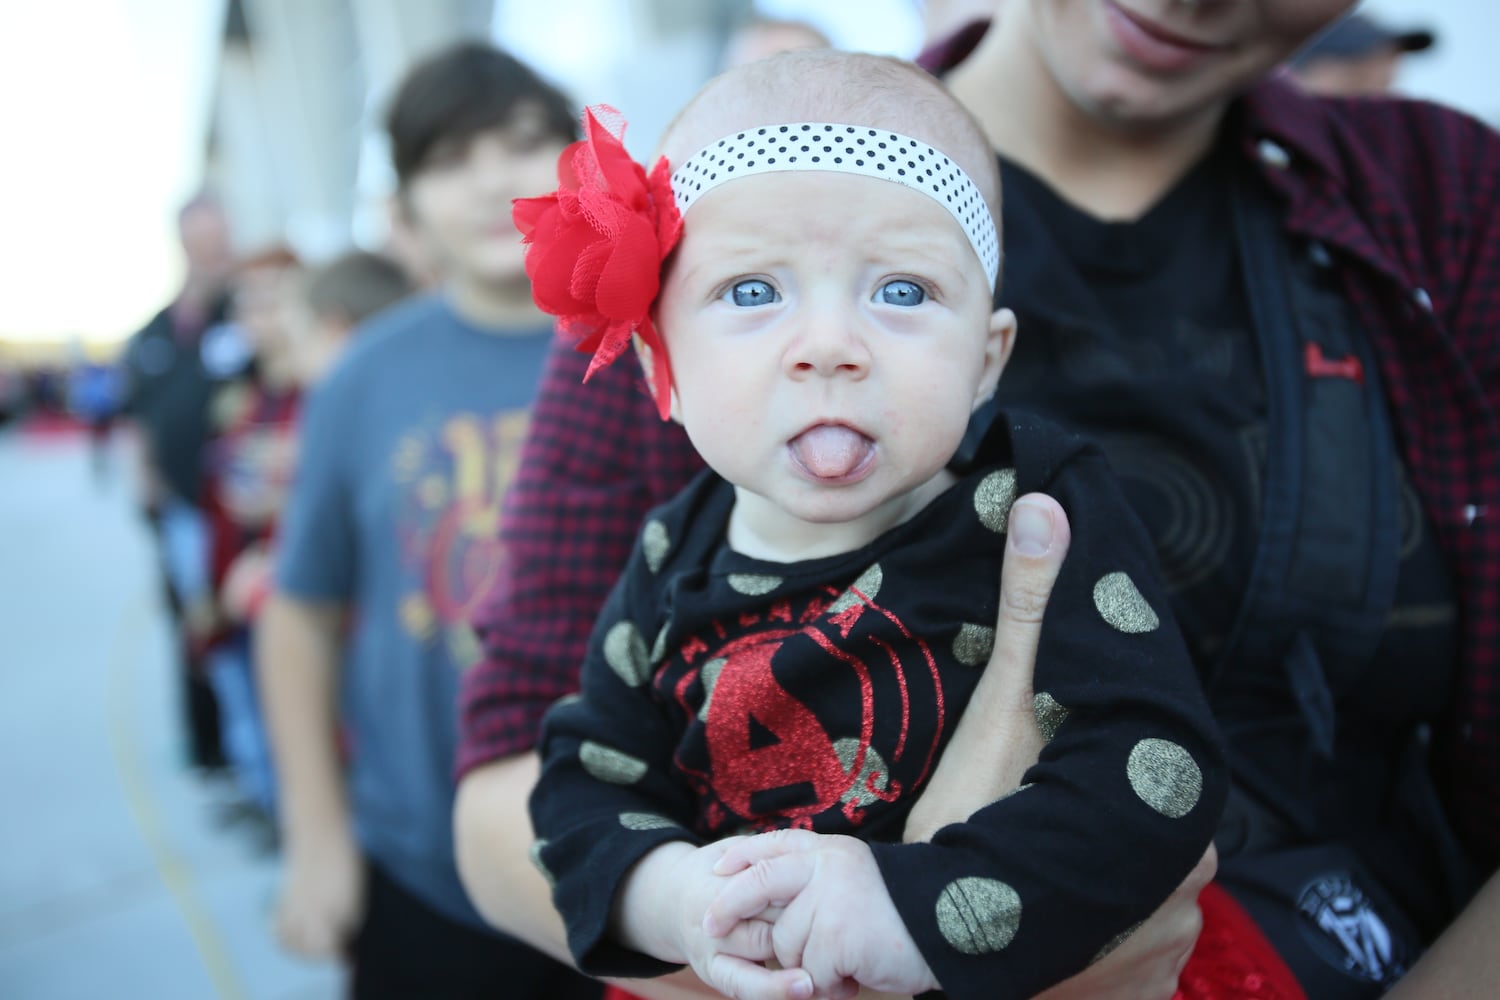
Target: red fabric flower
(594, 247)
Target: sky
(105, 102)
(102, 102)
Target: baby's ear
(1000, 341)
(645, 356)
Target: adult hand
(999, 725)
(1147, 964)
(322, 898)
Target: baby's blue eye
(752, 292)
(902, 293)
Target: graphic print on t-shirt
(453, 478)
(767, 759)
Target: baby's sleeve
(607, 793)
(1128, 789)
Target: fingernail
(710, 925)
(802, 988)
(1030, 528)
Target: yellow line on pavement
(125, 683)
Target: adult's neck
(497, 307)
(1109, 169)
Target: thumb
(1038, 541)
(1037, 544)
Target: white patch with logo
(1342, 924)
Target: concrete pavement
(116, 878)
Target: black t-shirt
(1139, 335)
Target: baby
(808, 274)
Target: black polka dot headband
(852, 149)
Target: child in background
(248, 466)
(320, 315)
(336, 299)
(797, 633)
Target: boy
(798, 631)
(406, 449)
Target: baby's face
(829, 336)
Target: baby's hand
(828, 910)
(662, 907)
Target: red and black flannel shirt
(1406, 197)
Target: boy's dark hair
(356, 286)
(464, 89)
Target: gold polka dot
(1115, 942)
(993, 497)
(1122, 605)
(645, 821)
(1049, 714)
(625, 652)
(1165, 776)
(534, 852)
(710, 678)
(978, 915)
(655, 544)
(973, 645)
(753, 584)
(873, 772)
(868, 584)
(611, 765)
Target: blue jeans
(241, 730)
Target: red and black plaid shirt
(1405, 195)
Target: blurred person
(173, 367)
(1357, 57)
(321, 313)
(404, 245)
(336, 299)
(759, 36)
(94, 397)
(1276, 314)
(12, 392)
(248, 466)
(406, 450)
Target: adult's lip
(1153, 45)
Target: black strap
(1324, 575)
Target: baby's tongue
(831, 452)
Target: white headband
(850, 149)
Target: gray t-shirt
(406, 451)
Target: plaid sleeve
(595, 459)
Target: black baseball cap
(1359, 35)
